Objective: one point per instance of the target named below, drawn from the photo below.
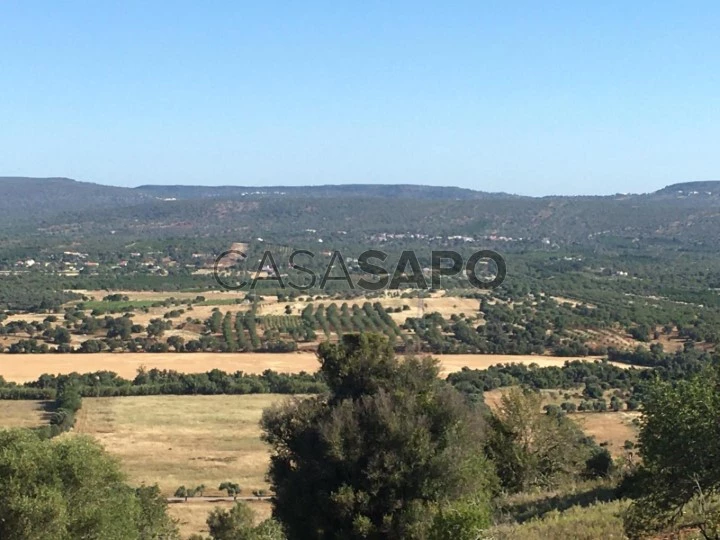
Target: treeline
(495, 333)
(68, 402)
(595, 377)
(159, 382)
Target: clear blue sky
(527, 97)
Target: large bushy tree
(69, 488)
(532, 448)
(388, 453)
(680, 450)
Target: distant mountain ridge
(706, 187)
(680, 214)
(405, 191)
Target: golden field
(21, 414)
(28, 367)
(183, 440)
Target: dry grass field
(21, 414)
(613, 428)
(126, 364)
(183, 440)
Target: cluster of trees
(157, 382)
(366, 318)
(377, 457)
(593, 377)
(499, 330)
(388, 450)
(679, 446)
(232, 489)
(532, 450)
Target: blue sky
(527, 97)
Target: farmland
(127, 364)
(441, 322)
(182, 440)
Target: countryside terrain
(113, 327)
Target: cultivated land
(185, 440)
(126, 364)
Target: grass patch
(121, 305)
(183, 440)
(600, 520)
(22, 414)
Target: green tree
(231, 488)
(237, 524)
(184, 493)
(68, 488)
(176, 342)
(680, 448)
(61, 335)
(233, 524)
(382, 455)
(531, 448)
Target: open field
(28, 367)
(21, 414)
(613, 428)
(182, 440)
(126, 364)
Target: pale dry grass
(21, 414)
(613, 428)
(162, 296)
(28, 367)
(183, 440)
(126, 364)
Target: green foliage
(390, 446)
(680, 449)
(461, 520)
(237, 524)
(69, 488)
(532, 449)
(233, 489)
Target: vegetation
(389, 454)
(680, 448)
(69, 488)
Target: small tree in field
(231, 488)
(185, 493)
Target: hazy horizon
(329, 184)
